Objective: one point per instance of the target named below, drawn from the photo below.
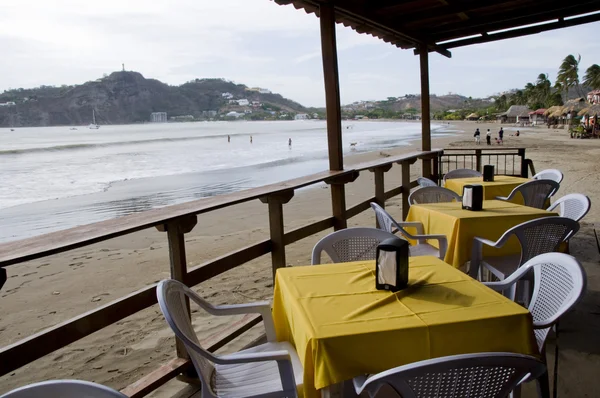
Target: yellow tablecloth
(343, 327)
(501, 186)
(461, 226)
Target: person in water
(251, 139)
(228, 138)
(290, 142)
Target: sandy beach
(45, 292)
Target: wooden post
(478, 159)
(406, 185)
(524, 163)
(378, 174)
(425, 108)
(436, 169)
(333, 110)
(338, 198)
(276, 202)
(176, 231)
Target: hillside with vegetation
(128, 97)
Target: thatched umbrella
(557, 112)
(552, 109)
(591, 110)
(574, 106)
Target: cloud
(254, 42)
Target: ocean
(54, 178)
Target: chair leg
(555, 381)
(543, 385)
(516, 393)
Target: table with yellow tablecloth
(343, 327)
(461, 226)
(501, 186)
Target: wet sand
(48, 291)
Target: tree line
(543, 94)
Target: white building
(264, 91)
(227, 95)
(243, 102)
(232, 101)
(234, 114)
(158, 117)
(301, 116)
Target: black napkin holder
(472, 197)
(391, 271)
(488, 172)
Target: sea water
(53, 178)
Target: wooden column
(176, 231)
(333, 111)
(276, 202)
(406, 185)
(478, 159)
(425, 109)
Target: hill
(128, 97)
(411, 103)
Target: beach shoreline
(45, 292)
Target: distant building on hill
(234, 114)
(183, 118)
(158, 117)
(301, 116)
(243, 102)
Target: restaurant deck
(423, 25)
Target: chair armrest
(412, 224)
(284, 365)
(504, 198)
(263, 308)
(509, 283)
(477, 253)
(442, 242)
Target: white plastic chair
(549, 174)
(559, 281)
(574, 206)
(461, 173)
(267, 370)
(426, 182)
(350, 244)
(433, 195)
(542, 235)
(485, 375)
(535, 193)
(64, 389)
(422, 248)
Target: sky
(257, 43)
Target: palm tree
(568, 74)
(592, 77)
(543, 88)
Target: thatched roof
(540, 111)
(517, 110)
(573, 105)
(552, 109)
(473, 116)
(557, 113)
(592, 110)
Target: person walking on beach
(477, 136)
(251, 139)
(228, 138)
(290, 143)
(501, 136)
(488, 137)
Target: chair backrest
(432, 195)
(171, 296)
(350, 244)
(485, 375)
(559, 283)
(542, 235)
(536, 193)
(64, 389)
(426, 182)
(549, 174)
(461, 173)
(574, 206)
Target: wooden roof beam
(454, 8)
(525, 31)
(523, 16)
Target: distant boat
(12, 129)
(93, 125)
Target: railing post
(176, 230)
(276, 202)
(478, 159)
(524, 170)
(436, 168)
(406, 184)
(338, 198)
(378, 174)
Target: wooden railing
(507, 161)
(176, 221)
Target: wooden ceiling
(444, 24)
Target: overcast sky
(254, 42)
